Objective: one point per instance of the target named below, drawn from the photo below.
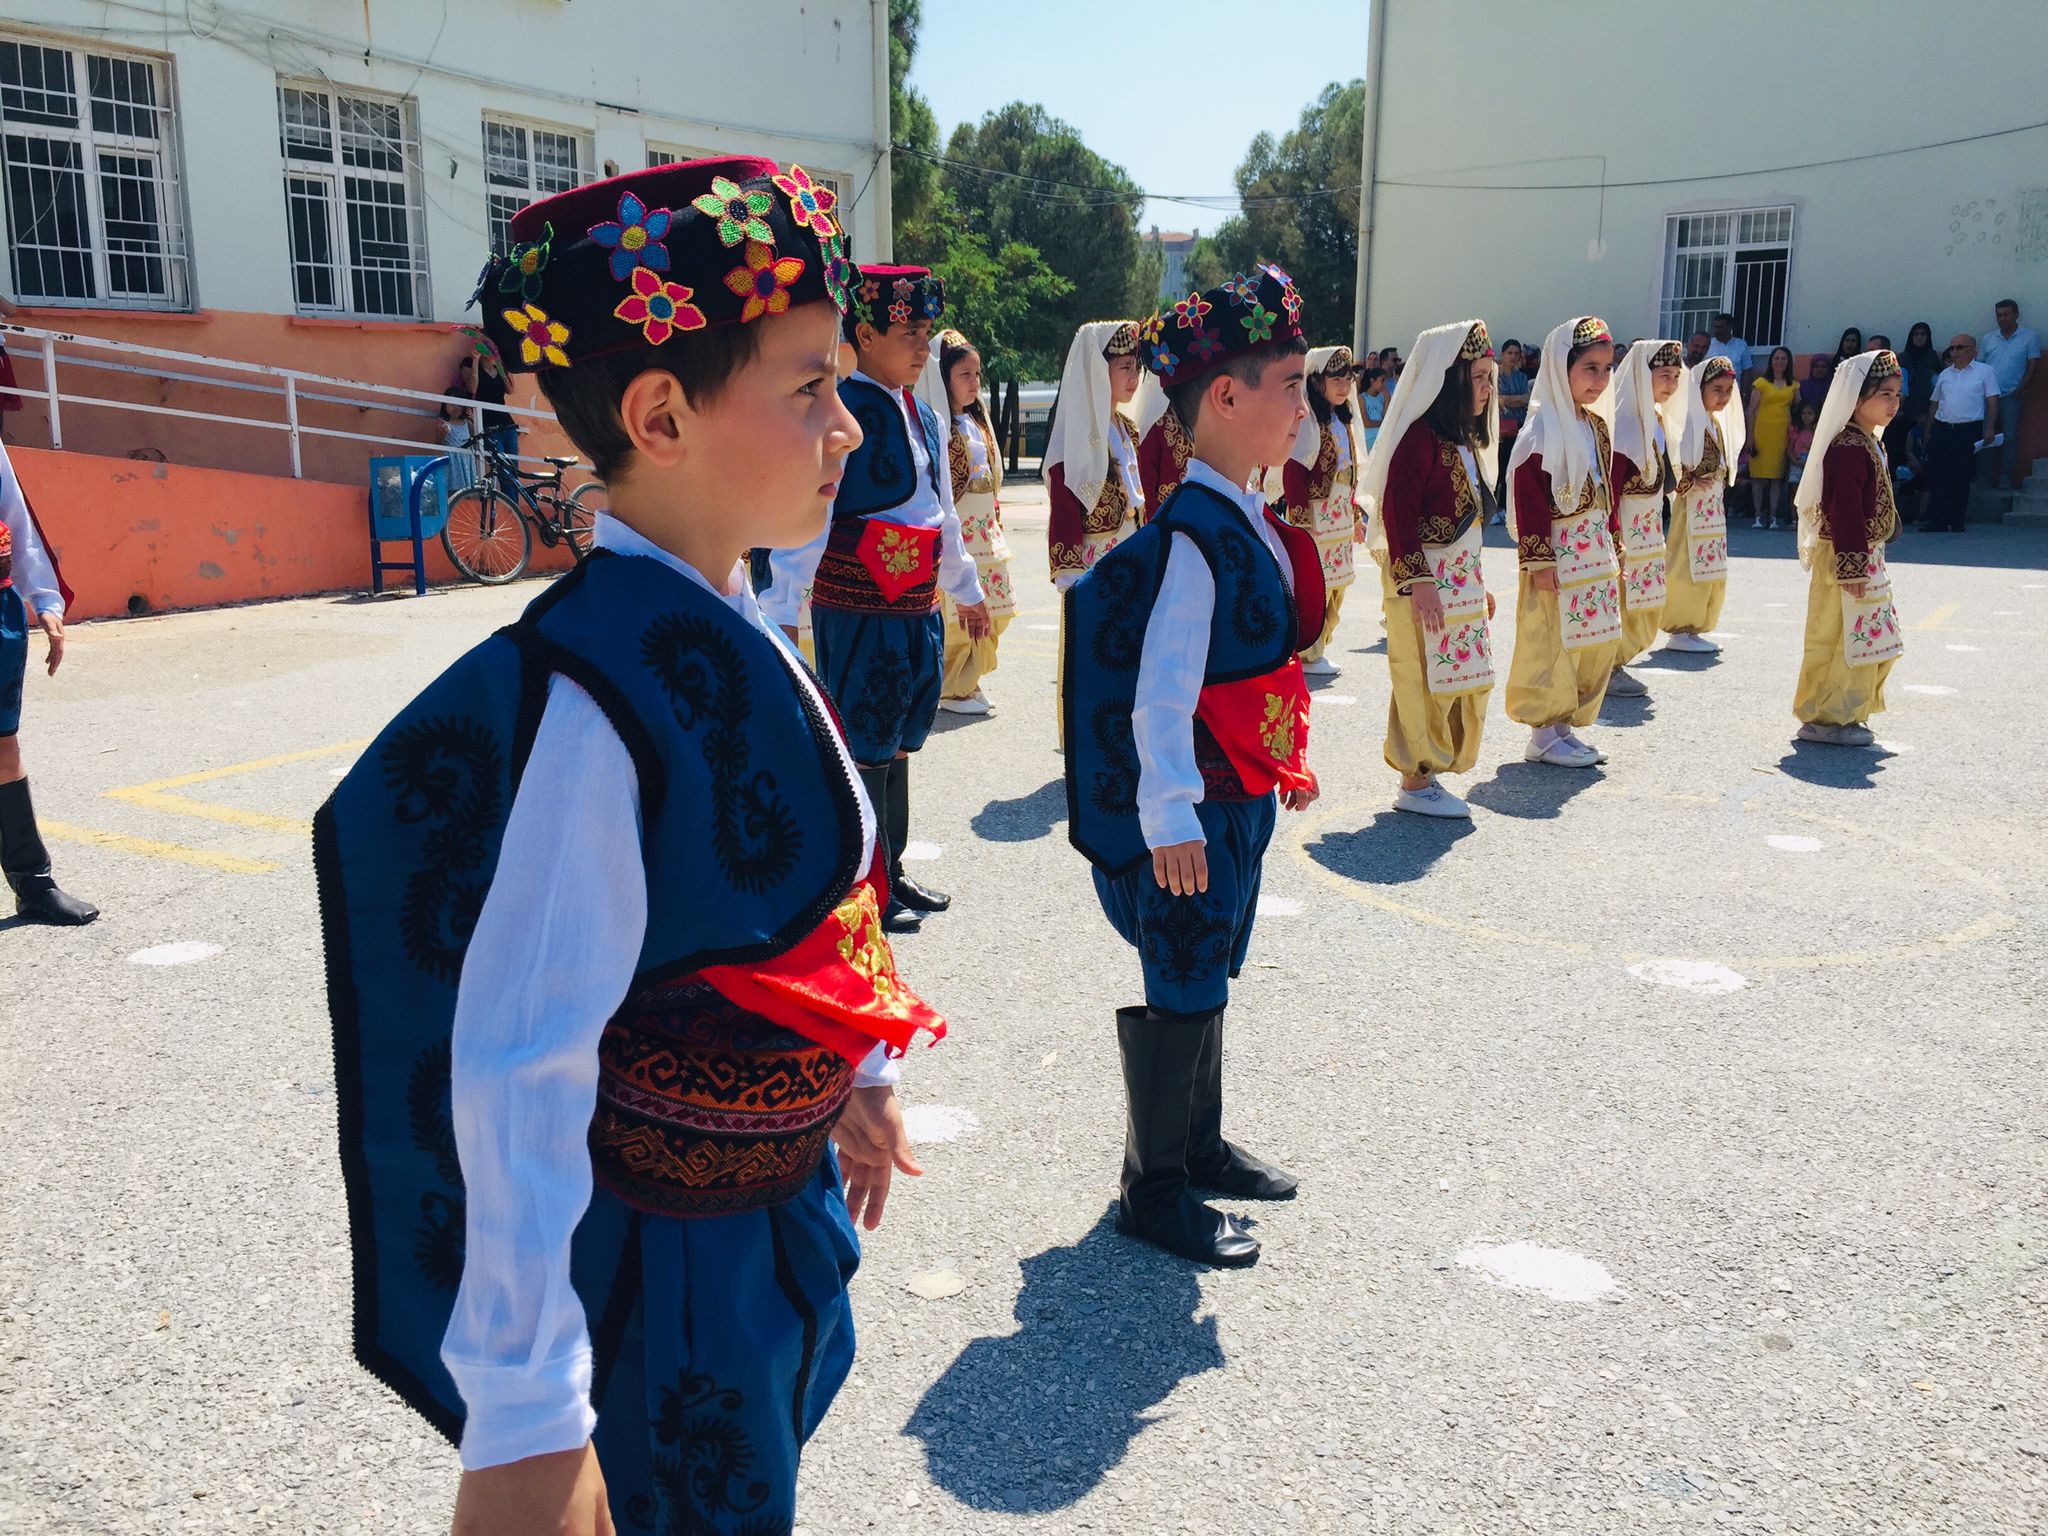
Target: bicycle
(492, 522)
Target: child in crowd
(1799, 441)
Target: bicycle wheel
(486, 536)
(579, 512)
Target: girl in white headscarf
(951, 386)
(1696, 551)
(1423, 501)
(1091, 455)
(1649, 423)
(1846, 514)
(1164, 445)
(1568, 622)
(1319, 486)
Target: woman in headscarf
(1568, 618)
(1649, 419)
(1820, 372)
(1851, 345)
(1846, 514)
(1091, 458)
(1319, 487)
(1919, 362)
(951, 386)
(1696, 552)
(1424, 526)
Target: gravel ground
(1740, 1044)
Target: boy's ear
(653, 410)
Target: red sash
(898, 558)
(1261, 723)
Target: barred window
(94, 211)
(1738, 260)
(525, 161)
(352, 200)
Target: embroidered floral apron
(1459, 660)
(1870, 625)
(1588, 591)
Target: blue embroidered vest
(751, 836)
(880, 474)
(1257, 627)
(871, 565)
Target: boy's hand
(976, 622)
(1182, 868)
(1300, 799)
(1544, 579)
(53, 626)
(559, 1494)
(1429, 607)
(872, 1145)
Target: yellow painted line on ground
(1939, 616)
(156, 796)
(143, 847)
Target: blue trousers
(883, 673)
(13, 658)
(1191, 946)
(718, 1350)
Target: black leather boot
(897, 917)
(26, 863)
(1161, 1058)
(1214, 1163)
(917, 897)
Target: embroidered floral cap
(1669, 355)
(1123, 341)
(1200, 333)
(1590, 330)
(1882, 366)
(886, 296)
(1477, 343)
(1714, 368)
(638, 259)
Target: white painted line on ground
(939, 1122)
(2005, 613)
(1935, 690)
(1896, 748)
(1777, 605)
(1786, 842)
(1702, 976)
(1279, 906)
(184, 952)
(341, 772)
(1557, 1273)
(1722, 634)
(1331, 698)
(1047, 628)
(1967, 650)
(922, 851)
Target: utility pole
(880, 177)
(1368, 168)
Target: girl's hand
(1429, 607)
(1544, 578)
(1855, 589)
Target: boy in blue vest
(892, 543)
(603, 914)
(1187, 719)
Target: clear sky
(1106, 67)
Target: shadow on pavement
(1533, 791)
(1031, 1422)
(1377, 648)
(1392, 849)
(1623, 713)
(1025, 820)
(1827, 767)
(1661, 660)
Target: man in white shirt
(1725, 343)
(1965, 418)
(2012, 351)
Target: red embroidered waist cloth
(1254, 730)
(872, 566)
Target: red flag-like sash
(1261, 723)
(898, 558)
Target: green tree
(913, 180)
(1293, 217)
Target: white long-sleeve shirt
(554, 952)
(1170, 667)
(791, 570)
(35, 575)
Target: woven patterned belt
(1220, 778)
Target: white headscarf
(1845, 392)
(1637, 414)
(1079, 441)
(1420, 383)
(1308, 441)
(1734, 430)
(1151, 403)
(1552, 414)
(931, 386)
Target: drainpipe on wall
(885, 209)
(1369, 170)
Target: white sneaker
(1757, 522)
(1577, 740)
(1838, 735)
(1322, 666)
(1561, 753)
(1623, 686)
(1697, 645)
(973, 704)
(1432, 800)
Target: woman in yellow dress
(1696, 549)
(1770, 424)
(1846, 515)
(951, 386)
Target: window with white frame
(94, 212)
(1733, 260)
(352, 199)
(524, 161)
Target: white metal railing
(67, 349)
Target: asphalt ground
(1741, 1042)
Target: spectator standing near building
(1921, 363)
(1513, 394)
(2012, 352)
(1697, 346)
(1965, 414)
(1770, 424)
(1851, 345)
(1725, 343)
